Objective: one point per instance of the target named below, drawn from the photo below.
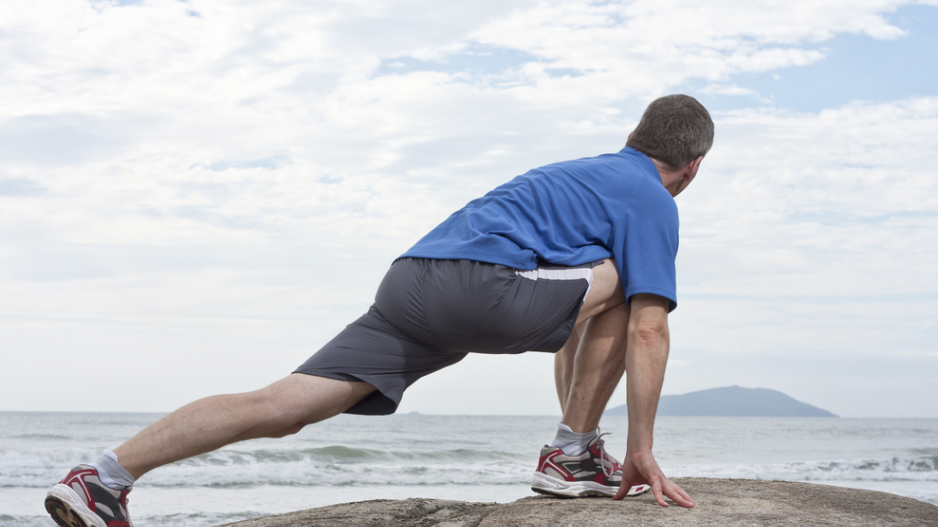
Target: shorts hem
(382, 401)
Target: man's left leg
(587, 369)
(563, 365)
(576, 463)
(597, 366)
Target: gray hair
(675, 129)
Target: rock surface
(719, 502)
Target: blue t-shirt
(571, 213)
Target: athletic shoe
(81, 500)
(592, 473)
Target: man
(575, 258)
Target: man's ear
(691, 169)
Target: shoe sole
(68, 510)
(544, 484)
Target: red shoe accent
(547, 460)
(75, 476)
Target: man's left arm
(646, 358)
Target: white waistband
(578, 273)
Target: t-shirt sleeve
(645, 244)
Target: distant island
(731, 401)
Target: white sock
(111, 474)
(572, 443)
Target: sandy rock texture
(729, 502)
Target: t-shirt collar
(649, 164)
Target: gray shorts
(428, 314)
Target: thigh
(605, 293)
(309, 399)
(373, 351)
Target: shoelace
(603, 455)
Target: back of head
(674, 129)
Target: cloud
(20, 187)
(805, 230)
(726, 89)
(838, 195)
(641, 48)
(188, 179)
(66, 138)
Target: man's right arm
(646, 358)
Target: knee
(276, 414)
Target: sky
(196, 196)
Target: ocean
(470, 458)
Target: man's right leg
(88, 497)
(280, 409)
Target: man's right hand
(642, 469)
